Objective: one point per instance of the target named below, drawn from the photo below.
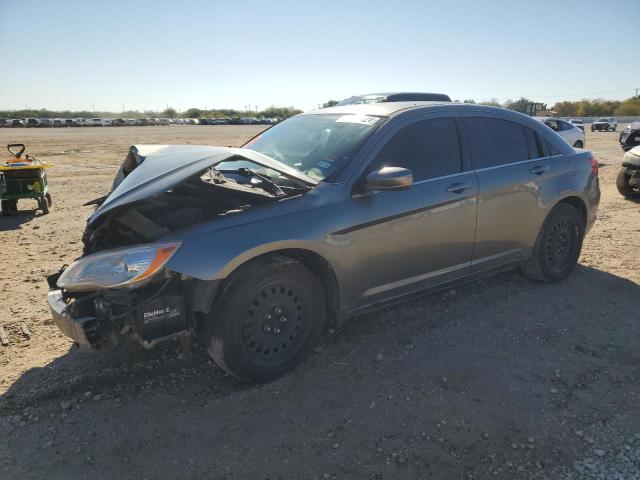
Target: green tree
(629, 107)
(519, 105)
(169, 112)
(470, 100)
(193, 113)
(330, 103)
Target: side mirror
(389, 178)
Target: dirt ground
(502, 378)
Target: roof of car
(376, 109)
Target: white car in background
(577, 123)
(572, 134)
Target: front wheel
(268, 318)
(623, 183)
(578, 144)
(558, 245)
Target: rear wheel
(44, 205)
(267, 319)
(623, 183)
(578, 144)
(6, 211)
(558, 245)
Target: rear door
(511, 167)
(403, 241)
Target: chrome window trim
(520, 162)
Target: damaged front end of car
(121, 285)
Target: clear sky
(66, 54)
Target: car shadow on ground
(15, 221)
(588, 290)
(456, 384)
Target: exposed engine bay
(183, 188)
(227, 189)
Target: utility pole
(636, 93)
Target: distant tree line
(271, 112)
(581, 108)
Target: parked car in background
(69, 122)
(628, 179)
(45, 122)
(57, 122)
(630, 136)
(577, 123)
(32, 122)
(118, 122)
(15, 123)
(4, 122)
(604, 124)
(255, 250)
(107, 122)
(572, 134)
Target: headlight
(116, 268)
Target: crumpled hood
(161, 167)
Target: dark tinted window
(429, 149)
(564, 125)
(496, 142)
(533, 143)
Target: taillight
(595, 164)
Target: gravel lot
(503, 378)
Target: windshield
(602, 120)
(317, 145)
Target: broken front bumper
(84, 329)
(98, 320)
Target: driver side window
(429, 148)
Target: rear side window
(429, 149)
(496, 142)
(533, 144)
(565, 126)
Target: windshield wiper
(247, 172)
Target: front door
(404, 241)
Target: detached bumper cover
(83, 329)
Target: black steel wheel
(560, 239)
(558, 245)
(269, 316)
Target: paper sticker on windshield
(361, 119)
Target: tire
(622, 182)
(615, 128)
(49, 201)
(578, 144)
(558, 245)
(268, 318)
(6, 211)
(593, 129)
(44, 205)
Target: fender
(631, 159)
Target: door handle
(539, 169)
(459, 187)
